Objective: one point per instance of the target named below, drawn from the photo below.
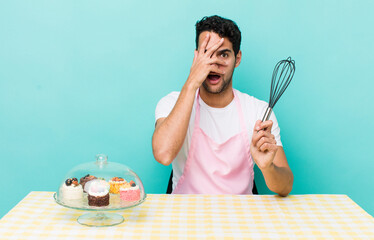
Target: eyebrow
(224, 50)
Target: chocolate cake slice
(98, 193)
(98, 201)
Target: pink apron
(213, 168)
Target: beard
(223, 87)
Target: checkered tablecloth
(37, 216)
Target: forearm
(169, 135)
(278, 179)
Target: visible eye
(224, 55)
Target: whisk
(282, 76)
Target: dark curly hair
(223, 27)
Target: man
(210, 132)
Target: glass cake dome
(100, 186)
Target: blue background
(79, 78)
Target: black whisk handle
(267, 114)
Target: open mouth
(213, 78)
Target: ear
(238, 58)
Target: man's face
(217, 83)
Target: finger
(214, 48)
(265, 140)
(266, 126)
(257, 126)
(215, 60)
(257, 136)
(261, 134)
(195, 55)
(203, 45)
(216, 69)
(268, 147)
(268, 134)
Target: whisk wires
(282, 75)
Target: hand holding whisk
(282, 76)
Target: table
(163, 216)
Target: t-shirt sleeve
(275, 129)
(165, 105)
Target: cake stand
(111, 174)
(99, 216)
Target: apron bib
(213, 168)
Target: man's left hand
(263, 144)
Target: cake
(130, 193)
(86, 179)
(71, 190)
(116, 183)
(98, 193)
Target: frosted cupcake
(131, 193)
(98, 193)
(116, 183)
(86, 179)
(71, 190)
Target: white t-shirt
(218, 123)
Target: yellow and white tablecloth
(37, 216)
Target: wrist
(191, 85)
(269, 168)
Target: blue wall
(79, 78)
